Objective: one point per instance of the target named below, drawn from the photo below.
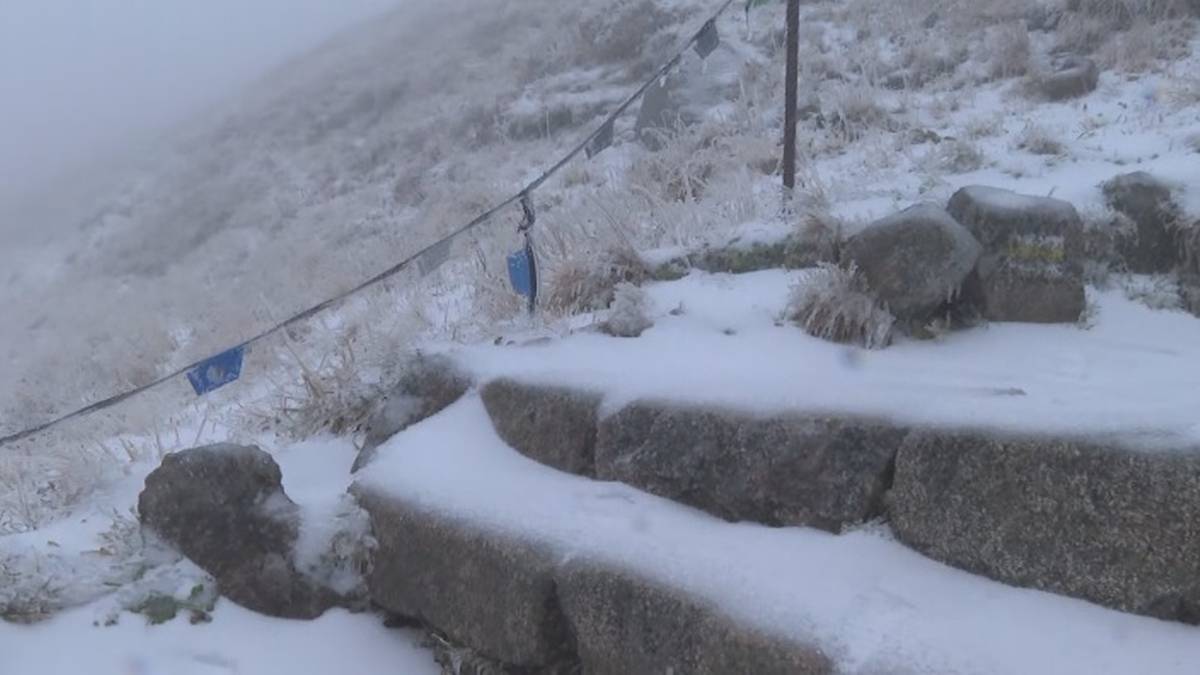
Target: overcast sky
(78, 77)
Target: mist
(82, 79)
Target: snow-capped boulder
(624, 622)
(1148, 203)
(428, 385)
(552, 425)
(223, 506)
(1096, 520)
(1031, 269)
(782, 470)
(1071, 77)
(915, 261)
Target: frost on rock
(835, 304)
(335, 545)
(629, 312)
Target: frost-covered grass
(835, 304)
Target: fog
(82, 79)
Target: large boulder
(428, 385)
(1149, 204)
(552, 425)
(916, 261)
(492, 591)
(785, 470)
(625, 623)
(1116, 525)
(1070, 77)
(1031, 269)
(223, 506)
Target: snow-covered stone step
(518, 598)
(500, 552)
(1102, 520)
(791, 469)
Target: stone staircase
(1108, 520)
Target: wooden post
(790, 91)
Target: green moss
(159, 609)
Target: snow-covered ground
(235, 642)
(721, 339)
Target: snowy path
(873, 604)
(1135, 370)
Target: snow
(237, 642)
(1133, 373)
(875, 605)
(71, 554)
(316, 475)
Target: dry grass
(332, 395)
(588, 283)
(1007, 50)
(1123, 13)
(956, 156)
(833, 303)
(1037, 139)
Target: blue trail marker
(218, 371)
(520, 272)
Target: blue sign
(520, 272)
(217, 372)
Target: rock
(1072, 77)
(493, 592)
(624, 623)
(915, 261)
(552, 425)
(785, 470)
(428, 385)
(1147, 202)
(223, 506)
(1000, 218)
(1090, 519)
(1031, 269)
(1030, 294)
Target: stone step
(546, 571)
(527, 603)
(1103, 520)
